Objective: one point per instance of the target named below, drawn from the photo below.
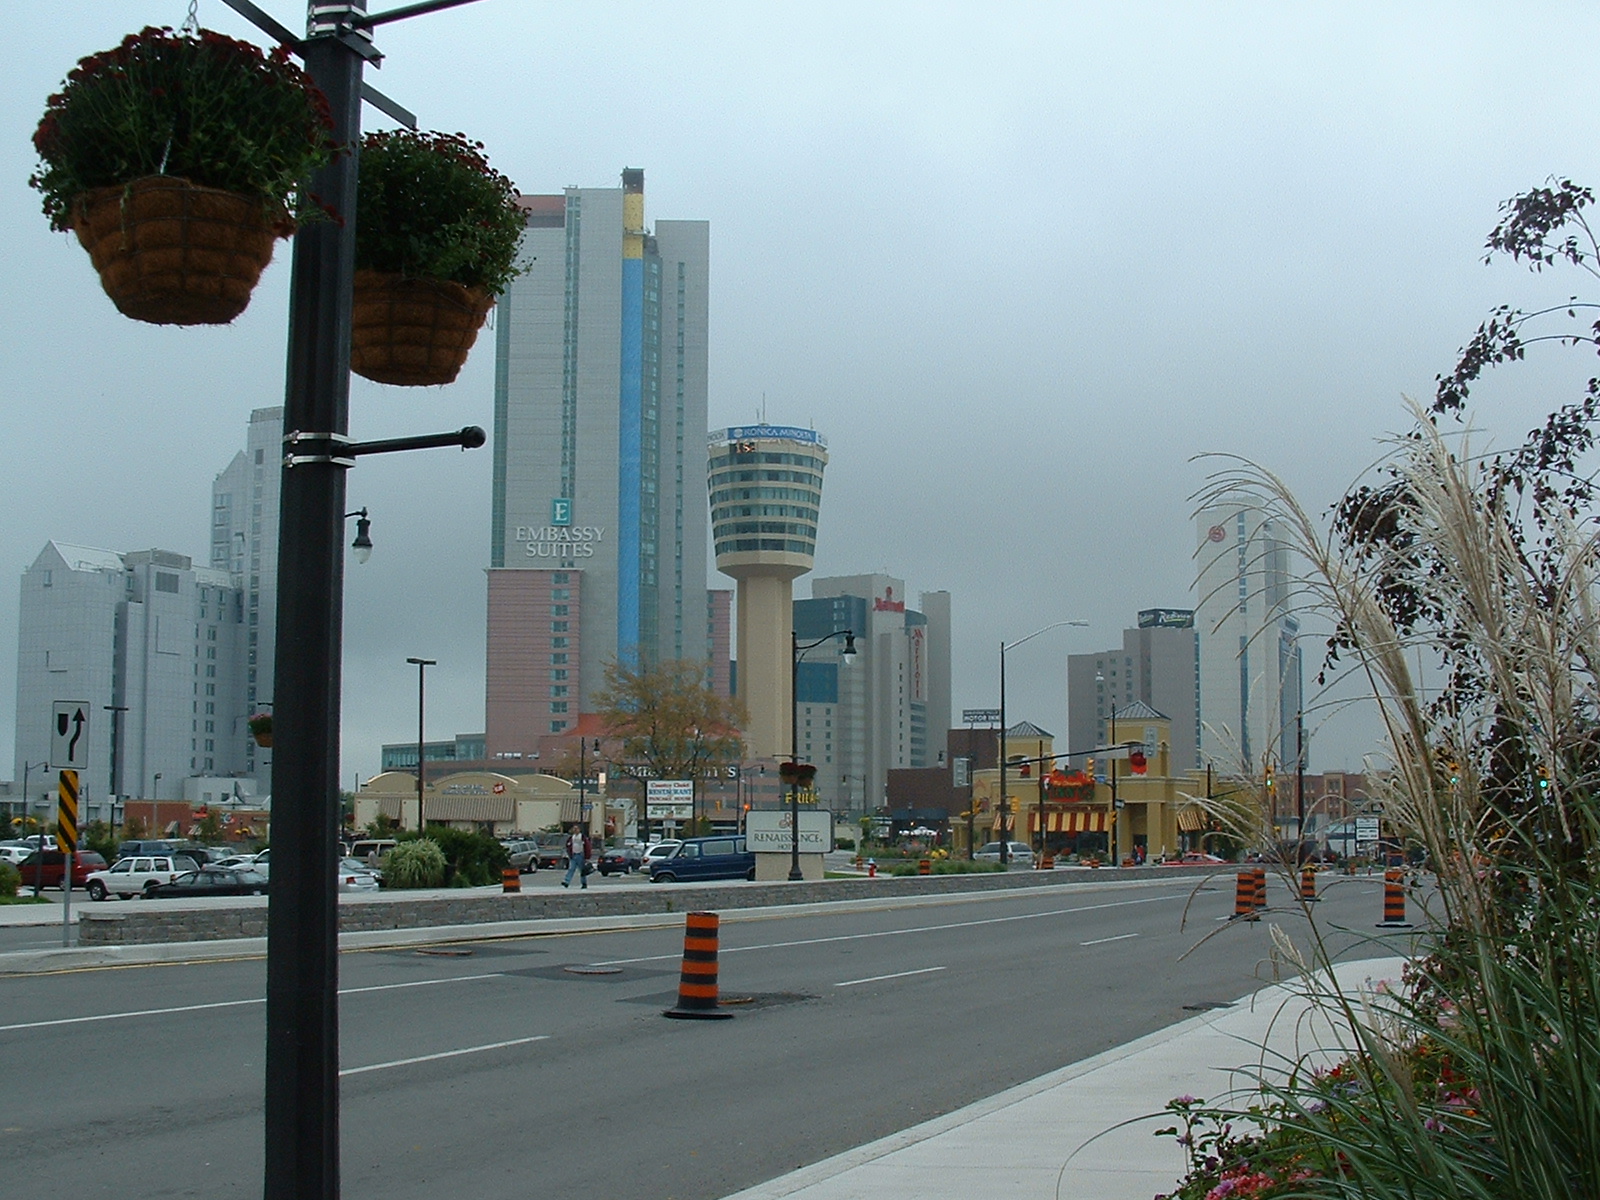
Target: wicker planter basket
(172, 253)
(413, 332)
(264, 738)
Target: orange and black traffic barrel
(697, 985)
(1260, 874)
(1394, 900)
(510, 879)
(1308, 884)
(1244, 897)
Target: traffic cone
(697, 985)
(1244, 897)
(1394, 900)
(1308, 884)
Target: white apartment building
(155, 646)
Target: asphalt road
(500, 1070)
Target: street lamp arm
(1004, 646)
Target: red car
(1194, 859)
(54, 867)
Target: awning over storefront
(1192, 820)
(1070, 821)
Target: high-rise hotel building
(598, 527)
(244, 543)
(1250, 661)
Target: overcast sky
(1018, 262)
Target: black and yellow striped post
(697, 985)
(67, 815)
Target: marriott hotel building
(598, 528)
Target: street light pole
(422, 665)
(1005, 846)
(116, 710)
(796, 650)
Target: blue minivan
(722, 857)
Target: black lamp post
(796, 651)
(422, 665)
(583, 784)
(1005, 846)
(116, 710)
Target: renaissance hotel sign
(560, 541)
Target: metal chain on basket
(191, 23)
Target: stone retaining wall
(150, 924)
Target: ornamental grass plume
(1482, 1079)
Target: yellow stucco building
(1071, 799)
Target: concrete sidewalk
(1078, 1133)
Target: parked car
(235, 861)
(522, 853)
(723, 857)
(14, 854)
(169, 846)
(552, 849)
(85, 863)
(211, 881)
(354, 876)
(1193, 858)
(621, 859)
(1017, 852)
(371, 850)
(655, 851)
(137, 874)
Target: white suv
(136, 875)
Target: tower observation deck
(765, 484)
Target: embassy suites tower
(598, 528)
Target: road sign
(67, 813)
(1366, 829)
(69, 735)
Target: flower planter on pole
(437, 231)
(177, 159)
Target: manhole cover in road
(1207, 1006)
(592, 970)
(446, 951)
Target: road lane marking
(883, 933)
(1121, 937)
(422, 1058)
(896, 975)
(189, 1008)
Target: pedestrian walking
(577, 858)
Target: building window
(558, 706)
(558, 610)
(557, 726)
(560, 642)
(558, 658)
(558, 626)
(561, 674)
(560, 594)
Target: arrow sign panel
(69, 735)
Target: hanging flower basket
(177, 160)
(171, 253)
(437, 231)
(261, 728)
(413, 332)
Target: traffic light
(1272, 782)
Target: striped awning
(1191, 819)
(1093, 820)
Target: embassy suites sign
(560, 541)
